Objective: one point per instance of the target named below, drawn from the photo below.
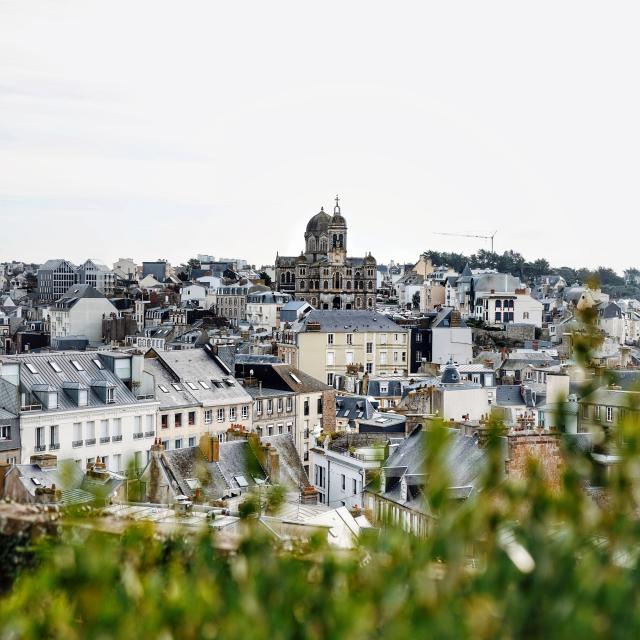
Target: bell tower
(337, 236)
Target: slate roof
(613, 398)
(91, 373)
(292, 473)
(499, 282)
(343, 321)
(355, 407)
(76, 293)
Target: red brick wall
(544, 448)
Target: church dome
(338, 221)
(319, 222)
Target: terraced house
(197, 395)
(79, 406)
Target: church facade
(322, 274)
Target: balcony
(90, 441)
(149, 434)
(53, 446)
(40, 447)
(77, 443)
(137, 436)
(105, 439)
(31, 407)
(116, 439)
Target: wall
(545, 448)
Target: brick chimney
(210, 447)
(273, 465)
(531, 445)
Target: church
(322, 274)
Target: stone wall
(530, 445)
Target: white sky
(155, 129)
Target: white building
(263, 309)
(80, 313)
(79, 406)
(125, 269)
(455, 399)
(97, 275)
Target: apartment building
(79, 406)
(328, 343)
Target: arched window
(288, 278)
(314, 302)
(312, 244)
(498, 304)
(370, 285)
(282, 278)
(341, 241)
(370, 302)
(348, 284)
(358, 302)
(302, 284)
(323, 245)
(335, 240)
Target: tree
(264, 276)
(416, 300)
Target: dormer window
(110, 395)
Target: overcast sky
(166, 129)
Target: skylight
(98, 363)
(177, 387)
(242, 481)
(55, 366)
(204, 385)
(295, 378)
(77, 365)
(163, 388)
(192, 386)
(31, 367)
(228, 382)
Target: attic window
(177, 387)
(295, 378)
(77, 365)
(217, 384)
(163, 388)
(203, 384)
(36, 482)
(55, 366)
(98, 364)
(241, 480)
(31, 367)
(228, 382)
(192, 386)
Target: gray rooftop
(343, 321)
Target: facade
(80, 406)
(457, 400)
(126, 269)
(328, 345)
(80, 313)
(97, 275)
(159, 269)
(323, 275)
(54, 279)
(197, 396)
(231, 303)
(606, 407)
(9, 438)
(263, 309)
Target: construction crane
(469, 235)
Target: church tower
(337, 236)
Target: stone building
(322, 274)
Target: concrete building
(231, 303)
(54, 279)
(126, 269)
(97, 275)
(159, 269)
(79, 312)
(323, 275)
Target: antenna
(470, 235)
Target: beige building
(329, 345)
(198, 395)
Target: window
(137, 422)
(178, 443)
(177, 420)
(349, 338)
(245, 412)
(329, 379)
(104, 428)
(77, 434)
(355, 486)
(280, 428)
(525, 315)
(163, 388)
(204, 385)
(395, 356)
(330, 358)
(220, 415)
(306, 407)
(192, 441)
(192, 386)
(208, 416)
(270, 429)
(319, 405)
(369, 347)
(383, 357)
(258, 406)
(609, 414)
(98, 364)
(117, 427)
(77, 365)
(233, 413)
(418, 337)
(404, 356)
(280, 405)
(330, 338)
(418, 356)
(110, 395)
(383, 338)
(55, 366)
(192, 418)
(177, 387)
(349, 357)
(289, 404)
(164, 421)
(369, 367)
(31, 368)
(117, 462)
(269, 406)
(40, 439)
(344, 481)
(5, 433)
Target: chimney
(273, 465)
(210, 447)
